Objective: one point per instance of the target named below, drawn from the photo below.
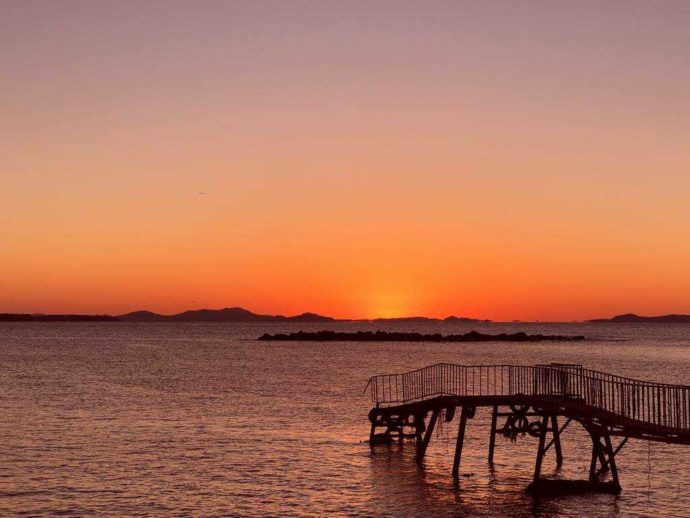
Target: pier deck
(531, 399)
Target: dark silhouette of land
(384, 336)
(237, 314)
(215, 315)
(220, 315)
(243, 315)
(422, 320)
(20, 317)
(631, 318)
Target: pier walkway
(531, 400)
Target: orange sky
(360, 160)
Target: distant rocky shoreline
(243, 315)
(224, 315)
(384, 336)
(236, 314)
(632, 318)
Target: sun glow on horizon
(476, 159)
(388, 305)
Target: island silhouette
(233, 314)
(237, 314)
(632, 318)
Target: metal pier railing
(594, 393)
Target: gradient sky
(503, 160)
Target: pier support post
(460, 441)
(596, 455)
(555, 431)
(611, 458)
(492, 437)
(541, 450)
(419, 428)
(424, 443)
(605, 455)
(605, 467)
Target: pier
(539, 400)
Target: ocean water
(202, 420)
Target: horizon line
(343, 319)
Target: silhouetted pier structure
(532, 399)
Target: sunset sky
(502, 160)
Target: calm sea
(174, 419)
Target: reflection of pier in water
(531, 399)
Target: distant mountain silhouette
(243, 315)
(235, 314)
(421, 320)
(19, 317)
(453, 319)
(309, 317)
(143, 316)
(633, 318)
(413, 320)
(220, 315)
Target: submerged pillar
(596, 455)
(611, 458)
(424, 443)
(555, 431)
(467, 413)
(492, 437)
(541, 449)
